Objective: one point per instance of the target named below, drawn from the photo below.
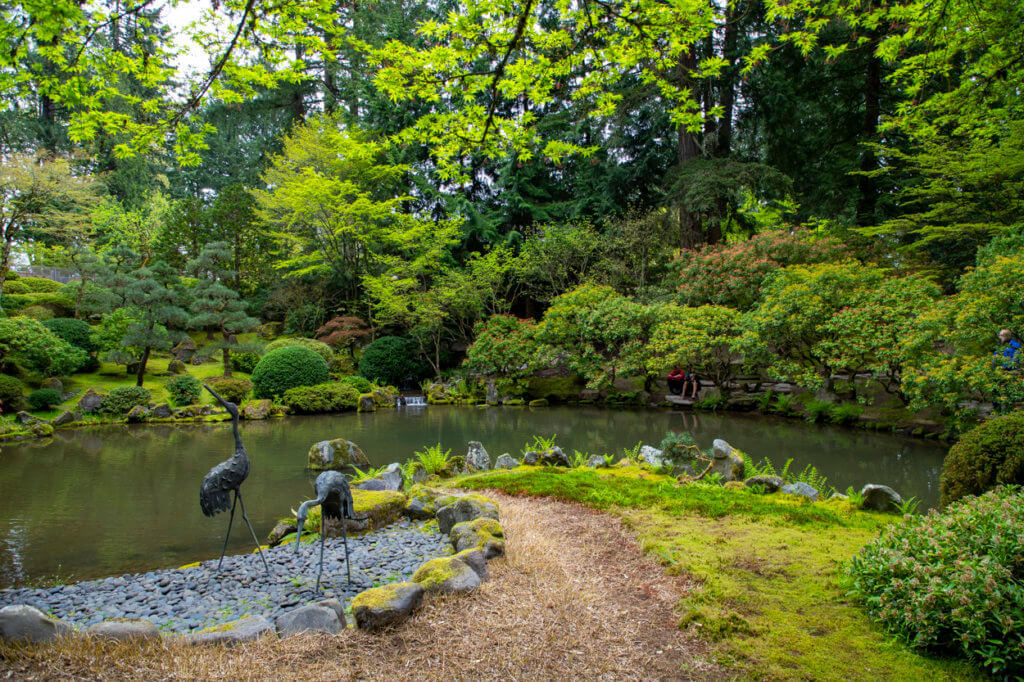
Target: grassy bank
(769, 602)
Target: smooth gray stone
(311, 618)
(477, 457)
(506, 461)
(771, 484)
(27, 623)
(241, 630)
(802, 490)
(125, 628)
(880, 498)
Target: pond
(119, 499)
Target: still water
(119, 499)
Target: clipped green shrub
(988, 455)
(37, 312)
(76, 332)
(40, 285)
(244, 362)
(289, 367)
(318, 347)
(59, 304)
(327, 397)
(44, 398)
(15, 287)
(122, 399)
(951, 581)
(11, 392)
(184, 390)
(390, 359)
(357, 382)
(232, 389)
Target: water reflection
(115, 499)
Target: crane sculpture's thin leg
(344, 537)
(259, 551)
(231, 520)
(323, 534)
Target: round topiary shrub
(952, 580)
(321, 349)
(44, 398)
(184, 390)
(122, 399)
(76, 332)
(390, 359)
(15, 287)
(11, 392)
(286, 368)
(232, 389)
(40, 285)
(244, 362)
(986, 456)
(37, 312)
(361, 384)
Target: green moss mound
(327, 397)
(318, 347)
(390, 359)
(122, 399)
(988, 455)
(951, 581)
(184, 390)
(76, 332)
(233, 389)
(288, 367)
(11, 391)
(44, 398)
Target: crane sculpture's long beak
(216, 395)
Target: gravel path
(195, 598)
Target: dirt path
(574, 599)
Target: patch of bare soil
(575, 599)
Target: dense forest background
(417, 168)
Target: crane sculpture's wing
(215, 492)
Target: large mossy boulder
(880, 498)
(336, 454)
(90, 402)
(446, 574)
(374, 509)
(484, 534)
(386, 605)
(466, 508)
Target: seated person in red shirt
(675, 381)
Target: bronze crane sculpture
(225, 478)
(335, 501)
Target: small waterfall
(411, 401)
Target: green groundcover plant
(952, 581)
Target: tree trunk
(226, 354)
(688, 149)
(727, 84)
(142, 367)
(872, 88)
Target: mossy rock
(485, 534)
(386, 605)
(455, 466)
(41, 429)
(466, 508)
(539, 402)
(375, 509)
(446, 574)
(337, 454)
(514, 402)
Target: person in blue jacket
(1008, 352)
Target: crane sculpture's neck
(239, 448)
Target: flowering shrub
(732, 274)
(952, 580)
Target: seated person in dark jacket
(691, 384)
(675, 381)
